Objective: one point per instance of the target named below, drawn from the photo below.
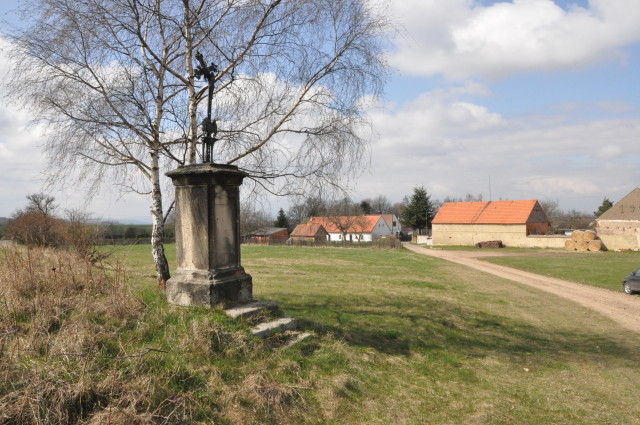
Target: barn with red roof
(515, 223)
(309, 233)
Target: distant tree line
(572, 218)
(40, 223)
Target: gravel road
(623, 308)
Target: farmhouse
(360, 228)
(393, 223)
(309, 233)
(267, 235)
(515, 223)
(619, 227)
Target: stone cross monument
(207, 227)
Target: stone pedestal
(208, 237)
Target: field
(601, 269)
(399, 338)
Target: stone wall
(619, 234)
(514, 235)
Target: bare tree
(552, 210)
(399, 207)
(115, 82)
(41, 203)
(253, 218)
(297, 213)
(469, 197)
(306, 208)
(380, 205)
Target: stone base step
(249, 310)
(301, 336)
(285, 340)
(264, 330)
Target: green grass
(424, 341)
(601, 269)
(399, 338)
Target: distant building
(619, 227)
(267, 235)
(393, 223)
(515, 223)
(361, 228)
(309, 233)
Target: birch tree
(114, 82)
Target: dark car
(631, 283)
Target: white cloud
(553, 187)
(608, 152)
(462, 39)
(455, 147)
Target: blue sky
(539, 97)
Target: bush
(33, 228)
(80, 234)
(37, 226)
(388, 242)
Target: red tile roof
(306, 230)
(352, 224)
(492, 212)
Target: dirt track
(620, 307)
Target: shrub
(33, 228)
(37, 226)
(388, 242)
(80, 234)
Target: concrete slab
(263, 330)
(302, 336)
(251, 309)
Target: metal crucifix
(209, 127)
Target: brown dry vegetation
(77, 347)
(60, 315)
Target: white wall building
(362, 228)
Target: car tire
(627, 288)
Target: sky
(522, 99)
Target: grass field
(399, 338)
(601, 269)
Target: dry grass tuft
(58, 318)
(76, 347)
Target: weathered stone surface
(301, 336)
(183, 289)
(263, 330)
(251, 309)
(208, 237)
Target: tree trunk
(192, 136)
(157, 232)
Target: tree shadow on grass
(441, 325)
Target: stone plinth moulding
(208, 237)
